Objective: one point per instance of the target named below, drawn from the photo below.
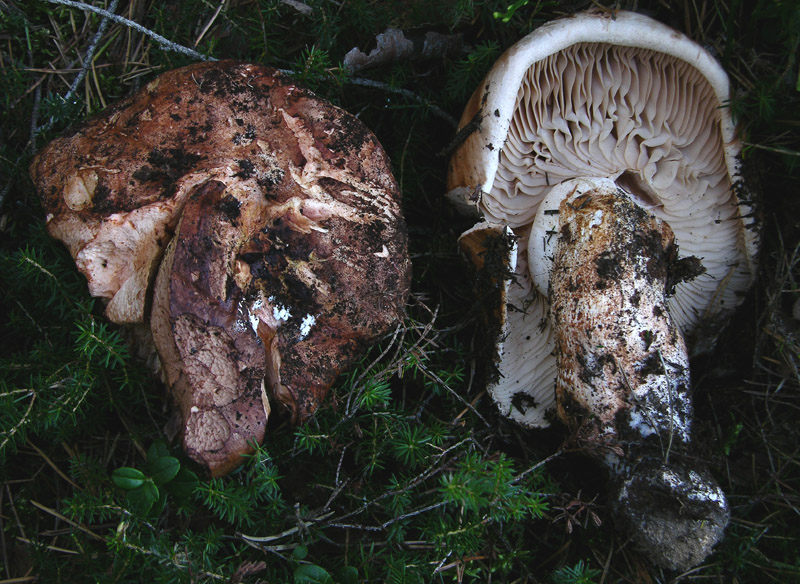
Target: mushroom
(255, 228)
(615, 229)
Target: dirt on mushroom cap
(301, 216)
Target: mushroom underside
(613, 174)
(586, 112)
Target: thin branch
(89, 57)
(210, 23)
(671, 408)
(302, 525)
(405, 93)
(538, 465)
(66, 519)
(432, 376)
(776, 149)
(165, 43)
(385, 524)
(52, 464)
(22, 421)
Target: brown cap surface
(292, 244)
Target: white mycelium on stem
(622, 362)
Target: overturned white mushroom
(592, 132)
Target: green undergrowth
(407, 473)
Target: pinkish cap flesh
(251, 224)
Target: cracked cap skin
(272, 220)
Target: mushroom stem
(623, 368)
(621, 359)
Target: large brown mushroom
(605, 169)
(275, 221)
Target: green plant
(510, 10)
(407, 473)
(580, 573)
(163, 474)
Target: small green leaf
(183, 485)
(300, 552)
(128, 478)
(510, 10)
(163, 469)
(348, 575)
(311, 574)
(158, 449)
(159, 505)
(141, 499)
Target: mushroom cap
(113, 188)
(617, 96)
(275, 220)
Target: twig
(776, 149)
(22, 421)
(52, 548)
(470, 127)
(301, 7)
(405, 93)
(35, 128)
(386, 524)
(53, 466)
(607, 563)
(281, 535)
(89, 57)
(165, 43)
(442, 562)
(33, 321)
(459, 563)
(210, 22)
(14, 511)
(671, 408)
(389, 522)
(538, 465)
(432, 376)
(66, 519)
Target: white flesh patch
(305, 326)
